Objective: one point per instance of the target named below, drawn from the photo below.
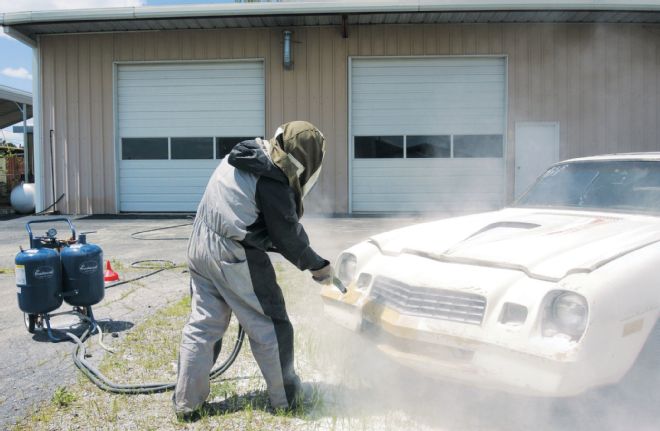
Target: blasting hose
(107, 385)
(157, 265)
(137, 235)
(95, 375)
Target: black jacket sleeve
(276, 202)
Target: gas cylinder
(38, 280)
(82, 271)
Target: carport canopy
(12, 102)
(16, 106)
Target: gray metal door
(537, 147)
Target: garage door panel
(158, 206)
(187, 100)
(404, 88)
(445, 207)
(387, 64)
(207, 100)
(215, 83)
(200, 174)
(189, 74)
(484, 102)
(236, 88)
(421, 173)
(431, 95)
(430, 127)
(484, 115)
(403, 181)
(442, 96)
(428, 189)
(447, 196)
(439, 80)
(188, 123)
(156, 189)
(193, 198)
(210, 130)
(190, 110)
(186, 181)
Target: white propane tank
(22, 198)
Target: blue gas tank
(38, 280)
(82, 273)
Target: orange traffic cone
(110, 274)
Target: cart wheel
(30, 321)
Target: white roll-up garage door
(427, 134)
(176, 121)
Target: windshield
(631, 186)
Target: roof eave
(314, 8)
(15, 95)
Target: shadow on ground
(78, 328)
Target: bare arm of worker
(276, 201)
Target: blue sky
(16, 58)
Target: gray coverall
(248, 208)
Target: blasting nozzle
(339, 285)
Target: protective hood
(297, 149)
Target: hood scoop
(494, 230)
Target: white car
(552, 296)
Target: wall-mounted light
(287, 50)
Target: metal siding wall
(598, 80)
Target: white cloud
(36, 5)
(20, 72)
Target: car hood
(545, 244)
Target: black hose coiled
(95, 375)
(103, 383)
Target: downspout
(37, 146)
(26, 146)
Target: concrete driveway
(31, 367)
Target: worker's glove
(323, 275)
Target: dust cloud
(360, 388)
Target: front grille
(429, 302)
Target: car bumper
(408, 341)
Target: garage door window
(428, 146)
(378, 147)
(192, 148)
(144, 149)
(224, 145)
(478, 146)
(418, 147)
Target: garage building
(428, 106)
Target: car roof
(650, 156)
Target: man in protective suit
(251, 205)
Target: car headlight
(346, 268)
(567, 313)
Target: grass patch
(63, 397)
(148, 353)
(149, 350)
